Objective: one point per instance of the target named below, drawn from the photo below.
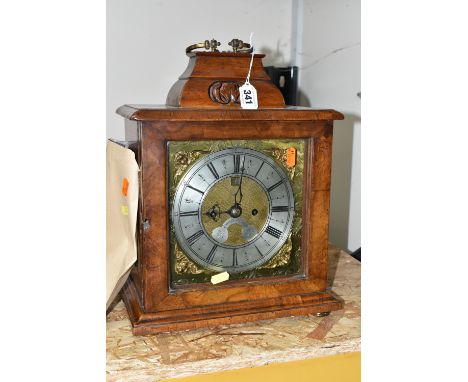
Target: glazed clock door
(233, 210)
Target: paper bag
(121, 215)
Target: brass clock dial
(233, 210)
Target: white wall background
(329, 58)
(146, 42)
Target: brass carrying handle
(238, 46)
(211, 45)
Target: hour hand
(215, 212)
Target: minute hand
(239, 190)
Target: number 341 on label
(248, 96)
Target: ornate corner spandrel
(280, 154)
(183, 160)
(183, 265)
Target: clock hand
(215, 211)
(235, 211)
(239, 190)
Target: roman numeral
(211, 254)
(195, 189)
(260, 253)
(234, 258)
(192, 239)
(236, 158)
(190, 213)
(211, 167)
(280, 209)
(273, 231)
(259, 168)
(274, 186)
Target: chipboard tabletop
(174, 355)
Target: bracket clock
(224, 190)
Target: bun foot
(321, 314)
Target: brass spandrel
(281, 156)
(182, 161)
(183, 265)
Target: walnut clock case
(227, 189)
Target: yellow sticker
(219, 278)
(124, 210)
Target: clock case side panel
(147, 285)
(318, 205)
(133, 136)
(154, 243)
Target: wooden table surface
(174, 355)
